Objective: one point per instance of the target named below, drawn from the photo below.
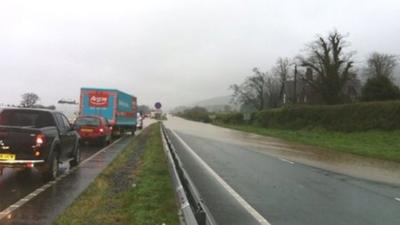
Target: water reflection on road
(16, 184)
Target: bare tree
(330, 64)
(380, 85)
(379, 64)
(29, 100)
(272, 92)
(260, 91)
(252, 91)
(281, 70)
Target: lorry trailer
(117, 107)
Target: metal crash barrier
(192, 209)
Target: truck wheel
(77, 157)
(51, 171)
(133, 130)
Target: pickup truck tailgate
(19, 142)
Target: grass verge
(376, 144)
(113, 199)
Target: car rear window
(25, 118)
(87, 121)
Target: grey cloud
(172, 51)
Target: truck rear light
(40, 138)
(30, 165)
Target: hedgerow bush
(196, 113)
(232, 118)
(348, 118)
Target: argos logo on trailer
(98, 99)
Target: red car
(93, 129)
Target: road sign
(157, 105)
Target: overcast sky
(171, 51)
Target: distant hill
(217, 104)
(224, 100)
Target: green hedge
(350, 117)
(232, 118)
(196, 114)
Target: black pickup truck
(34, 138)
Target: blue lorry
(119, 108)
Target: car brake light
(101, 130)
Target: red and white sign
(98, 99)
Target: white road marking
(7, 212)
(228, 188)
(397, 199)
(285, 160)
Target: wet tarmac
(15, 184)
(33, 202)
(339, 162)
(286, 183)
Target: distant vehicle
(156, 114)
(34, 138)
(139, 121)
(116, 106)
(93, 129)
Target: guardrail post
(200, 215)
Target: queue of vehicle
(43, 139)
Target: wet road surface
(15, 185)
(281, 190)
(47, 202)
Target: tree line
(323, 74)
(29, 100)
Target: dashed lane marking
(285, 160)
